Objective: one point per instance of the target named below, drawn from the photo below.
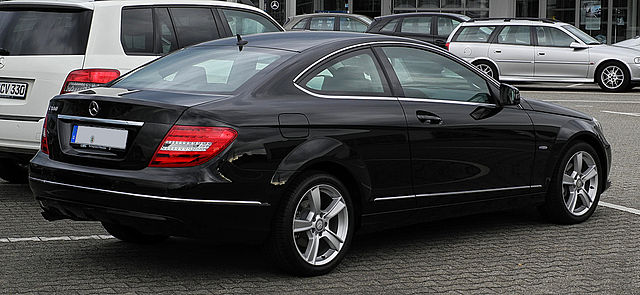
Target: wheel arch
(480, 59)
(606, 61)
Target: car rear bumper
(20, 134)
(103, 196)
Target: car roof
(421, 14)
(91, 4)
(300, 41)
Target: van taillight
(79, 80)
(44, 144)
(186, 146)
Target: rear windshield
(475, 34)
(204, 69)
(44, 32)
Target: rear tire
(487, 68)
(131, 235)
(13, 172)
(313, 227)
(613, 77)
(575, 187)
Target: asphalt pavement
(516, 252)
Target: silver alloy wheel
(580, 183)
(320, 224)
(485, 68)
(612, 77)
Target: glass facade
(471, 8)
(527, 8)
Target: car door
(464, 147)
(445, 26)
(555, 59)
(513, 51)
(353, 96)
(417, 27)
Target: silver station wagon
(542, 50)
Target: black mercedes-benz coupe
(299, 139)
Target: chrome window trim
(100, 120)
(343, 96)
(459, 192)
(221, 202)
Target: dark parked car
(301, 138)
(328, 22)
(431, 27)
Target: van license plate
(13, 90)
(101, 138)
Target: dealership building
(609, 21)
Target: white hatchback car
(53, 47)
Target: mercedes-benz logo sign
(93, 108)
(2, 61)
(275, 5)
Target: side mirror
(576, 45)
(509, 95)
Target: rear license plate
(13, 90)
(101, 138)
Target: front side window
(204, 69)
(586, 38)
(517, 35)
(301, 25)
(552, 37)
(479, 34)
(137, 30)
(416, 24)
(324, 23)
(348, 24)
(390, 26)
(424, 74)
(351, 74)
(194, 25)
(446, 25)
(246, 23)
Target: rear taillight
(84, 79)
(447, 45)
(44, 144)
(186, 146)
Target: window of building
(527, 8)
(471, 8)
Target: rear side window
(167, 37)
(517, 35)
(324, 23)
(419, 25)
(475, 34)
(356, 73)
(348, 24)
(245, 23)
(48, 31)
(137, 30)
(204, 69)
(194, 25)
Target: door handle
(498, 51)
(429, 118)
(541, 53)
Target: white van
(53, 47)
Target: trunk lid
(112, 127)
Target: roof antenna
(241, 42)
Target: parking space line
(62, 238)
(593, 101)
(621, 208)
(622, 113)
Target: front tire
(131, 235)
(613, 77)
(576, 186)
(313, 227)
